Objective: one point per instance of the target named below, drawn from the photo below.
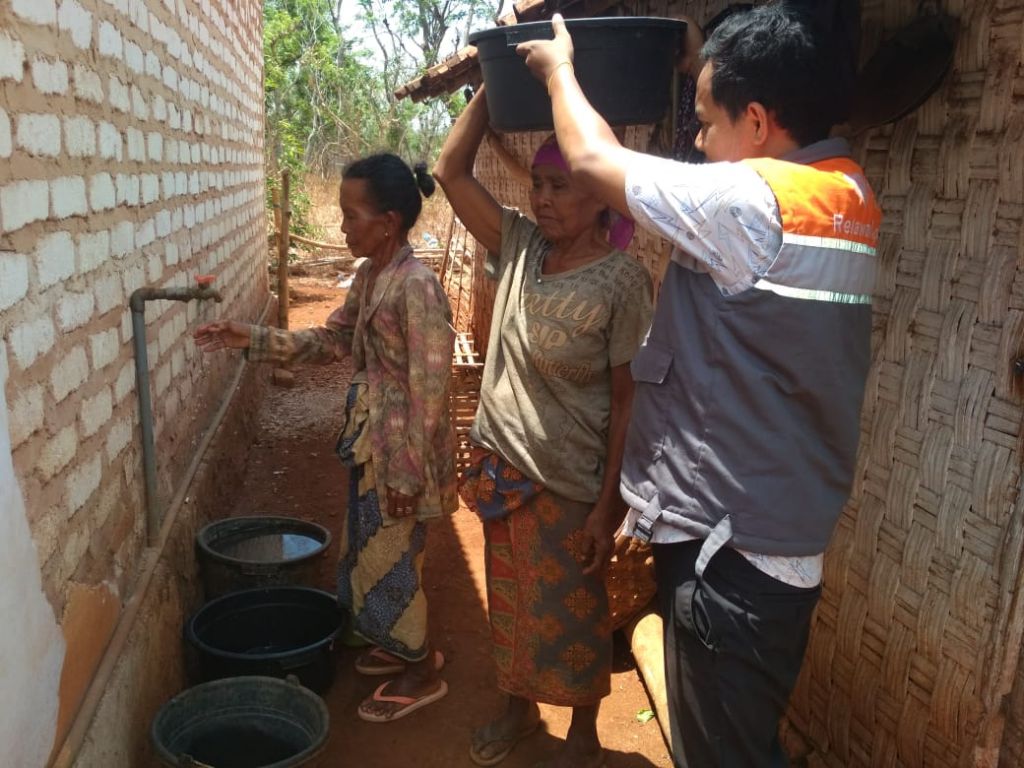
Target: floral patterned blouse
(402, 336)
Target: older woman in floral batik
(397, 438)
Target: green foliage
(330, 100)
(418, 30)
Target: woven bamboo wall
(1013, 738)
(913, 659)
(916, 640)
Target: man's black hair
(777, 56)
(393, 185)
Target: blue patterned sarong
(381, 566)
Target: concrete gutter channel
(644, 632)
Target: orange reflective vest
(830, 224)
(746, 412)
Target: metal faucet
(201, 291)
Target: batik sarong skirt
(380, 569)
(550, 627)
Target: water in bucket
(269, 547)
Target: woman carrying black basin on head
(569, 312)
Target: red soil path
(292, 470)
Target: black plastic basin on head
(277, 631)
(244, 722)
(624, 66)
(261, 551)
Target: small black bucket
(244, 722)
(247, 552)
(624, 66)
(277, 631)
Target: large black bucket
(244, 722)
(247, 552)
(624, 66)
(277, 631)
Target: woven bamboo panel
(455, 271)
(916, 640)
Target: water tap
(201, 291)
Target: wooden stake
(283, 242)
(275, 201)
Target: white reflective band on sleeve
(835, 243)
(810, 294)
(717, 539)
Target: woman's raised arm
(473, 204)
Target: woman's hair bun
(423, 179)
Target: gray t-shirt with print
(546, 393)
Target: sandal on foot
(409, 704)
(510, 743)
(389, 664)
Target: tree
(328, 100)
(414, 35)
(420, 28)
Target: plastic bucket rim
(193, 638)
(312, 697)
(677, 25)
(250, 710)
(243, 681)
(216, 556)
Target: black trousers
(734, 643)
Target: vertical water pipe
(200, 292)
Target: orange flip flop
(409, 703)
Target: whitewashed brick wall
(131, 154)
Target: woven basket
(630, 583)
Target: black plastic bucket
(277, 631)
(247, 552)
(244, 722)
(624, 66)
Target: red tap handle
(204, 281)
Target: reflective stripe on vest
(830, 223)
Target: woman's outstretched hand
(222, 334)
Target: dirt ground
(292, 470)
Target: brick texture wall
(131, 154)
